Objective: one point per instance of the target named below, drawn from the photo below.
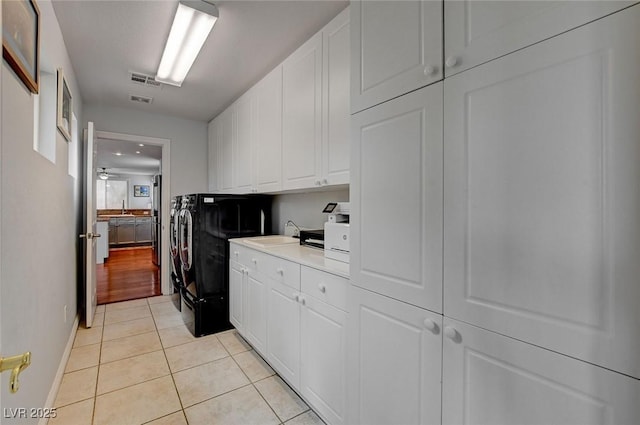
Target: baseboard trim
(55, 386)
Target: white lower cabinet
(323, 340)
(283, 331)
(236, 298)
(294, 317)
(255, 308)
(394, 361)
(492, 379)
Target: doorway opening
(132, 198)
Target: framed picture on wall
(141, 191)
(64, 106)
(21, 40)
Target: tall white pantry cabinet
(495, 239)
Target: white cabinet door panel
(283, 331)
(323, 358)
(302, 115)
(268, 132)
(243, 143)
(214, 136)
(541, 200)
(397, 47)
(236, 299)
(394, 362)
(492, 379)
(336, 120)
(396, 197)
(227, 124)
(477, 31)
(256, 312)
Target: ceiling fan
(102, 173)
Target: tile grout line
(166, 359)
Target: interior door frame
(165, 170)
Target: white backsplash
(305, 209)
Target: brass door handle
(15, 364)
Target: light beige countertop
(304, 255)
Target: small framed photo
(64, 106)
(21, 40)
(140, 191)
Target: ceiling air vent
(145, 80)
(140, 99)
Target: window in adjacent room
(110, 193)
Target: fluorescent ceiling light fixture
(191, 26)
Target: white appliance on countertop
(336, 231)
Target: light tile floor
(140, 365)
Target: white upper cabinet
(227, 136)
(214, 136)
(336, 113)
(394, 362)
(397, 48)
(479, 31)
(491, 379)
(243, 143)
(268, 132)
(541, 195)
(396, 198)
(302, 115)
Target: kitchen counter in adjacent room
(312, 257)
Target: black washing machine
(176, 266)
(207, 222)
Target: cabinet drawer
(327, 287)
(282, 271)
(247, 257)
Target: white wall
(39, 225)
(305, 209)
(188, 141)
(132, 180)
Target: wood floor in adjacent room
(128, 273)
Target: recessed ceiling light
(141, 144)
(137, 151)
(118, 154)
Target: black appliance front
(176, 266)
(207, 222)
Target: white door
(397, 48)
(302, 115)
(488, 378)
(479, 31)
(255, 294)
(283, 332)
(396, 198)
(394, 362)
(541, 194)
(336, 119)
(90, 234)
(323, 354)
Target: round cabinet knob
(430, 324)
(451, 61)
(296, 297)
(303, 301)
(430, 70)
(451, 333)
(318, 183)
(322, 288)
(280, 270)
(254, 260)
(236, 253)
(325, 181)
